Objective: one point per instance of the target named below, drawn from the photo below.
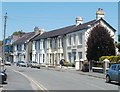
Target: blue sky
(50, 15)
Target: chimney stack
(79, 21)
(42, 31)
(99, 14)
(36, 30)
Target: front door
(74, 56)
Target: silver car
(113, 74)
(33, 64)
(21, 63)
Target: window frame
(80, 39)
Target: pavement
(73, 70)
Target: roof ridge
(62, 31)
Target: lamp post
(4, 38)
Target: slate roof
(69, 29)
(24, 38)
(62, 31)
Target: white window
(24, 46)
(44, 44)
(69, 57)
(19, 47)
(74, 56)
(80, 38)
(80, 55)
(59, 42)
(35, 45)
(74, 39)
(50, 58)
(38, 45)
(47, 43)
(50, 43)
(55, 43)
(15, 47)
(69, 40)
(62, 42)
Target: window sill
(79, 44)
(74, 44)
(69, 45)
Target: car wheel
(108, 79)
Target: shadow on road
(4, 83)
(115, 83)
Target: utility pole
(4, 37)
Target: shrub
(112, 59)
(69, 64)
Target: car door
(112, 72)
(117, 73)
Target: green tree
(0, 43)
(118, 44)
(119, 37)
(99, 43)
(18, 32)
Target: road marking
(40, 86)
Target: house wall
(19, 53)
(48, 51)
(71, 47)
(75, 50)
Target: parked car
(8, 63)
(113, 74)
(3, 76)
(21, 63)
(33, 64)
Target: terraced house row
(69, 43)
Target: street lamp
(4, 38)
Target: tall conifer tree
(99, 43)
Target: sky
(53, 15)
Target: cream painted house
(67, 43)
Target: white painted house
(67, 43)
(23, 46)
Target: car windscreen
(21, 62)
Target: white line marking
(41, 87)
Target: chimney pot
(99, 14)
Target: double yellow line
(41, 87)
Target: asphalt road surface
(22, 78)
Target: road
(22, 78)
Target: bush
(99, 64)
(112, 59)
(69, 64)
